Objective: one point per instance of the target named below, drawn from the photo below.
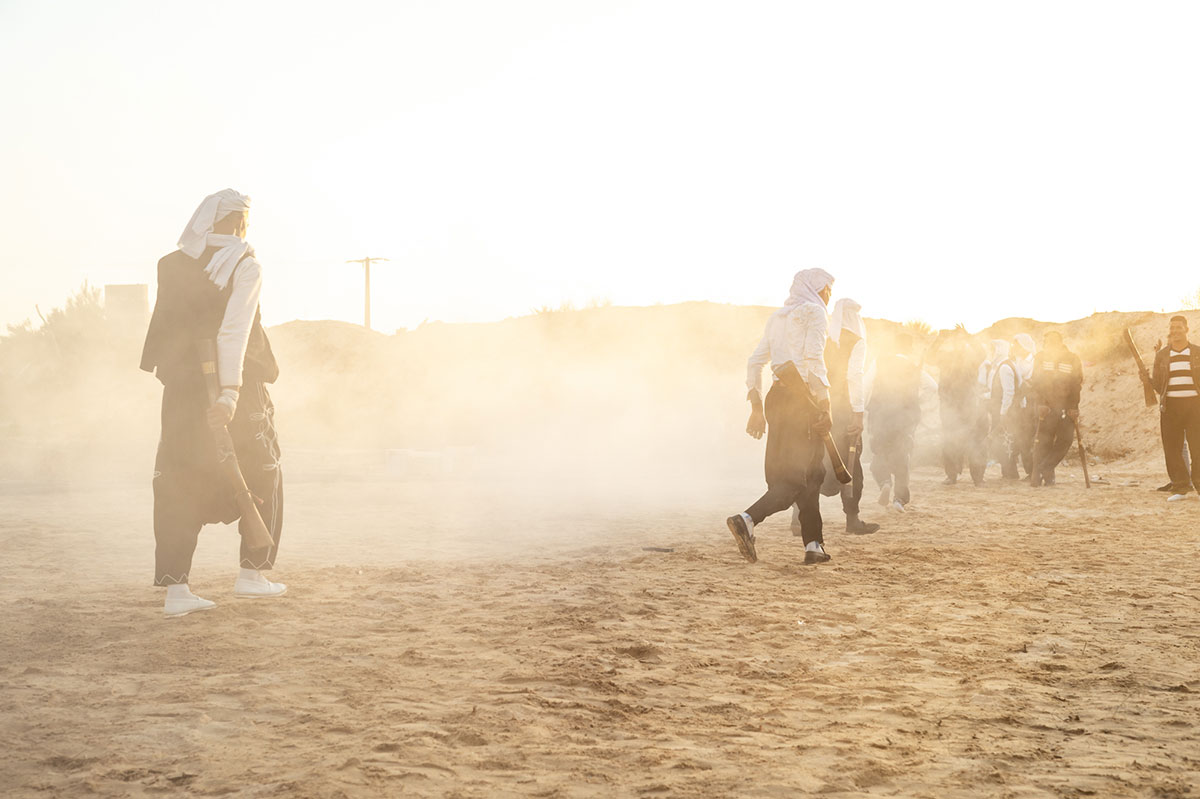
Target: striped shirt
(1181, 383)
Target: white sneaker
(182, 606)
(1177, 497)
(898, 506)
(256, 589)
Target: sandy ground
(458, 639)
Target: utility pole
(366, 262)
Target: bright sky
(946, 161)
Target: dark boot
(857, 526)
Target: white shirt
(1009, 381)
(796, 336)
(1025, 371)
(234, 334)
(856, 371)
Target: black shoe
(1167, 489)
(859, 527)
(745, 541)
(811, 557)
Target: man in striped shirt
(1176, 378)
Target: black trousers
(852, 492)
(189, 490)
(1019, 424)
(891, 448)
(964, 439)
(793, 465)
(1055, 434)
(1180, 422)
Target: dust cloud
(599, 405)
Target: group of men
(1022, 404)
(821, 395)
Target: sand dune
(994, 642)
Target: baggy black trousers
(1054, 436)
(793, 466)
(189, 490)
(1180, 422)
(964, 438)
(891, 447)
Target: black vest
(190, 308)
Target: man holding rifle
(795, 415)
(1057, 383)
(1176, 380)
(208, 294)
(846, 365)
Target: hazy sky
(947, 161)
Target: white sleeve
(234, 334)
(754, 366)
(855, 372)
(985, 378)
(869, 383)
(1008, 387)
(808, 328)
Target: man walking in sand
(1019, 419)
(1176, 378)
(209, 289)
(964, 423)
(1057, 383)
(846, 365)
(794, 416)
(894, 412)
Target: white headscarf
(1026, 342)
(999, 350)
(198, 235)
(806, 286)
(846, 317)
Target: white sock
(180, 591)
(253, 575)
(749, 523)
(813, 546)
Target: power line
(366, 262)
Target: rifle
(1087, 480)
(1147, 384)
(252, 528)
(839, 467)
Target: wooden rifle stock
(252, 527)
(1147, 384)
(1087, 480)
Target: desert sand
(473, 611)
(1001, 641)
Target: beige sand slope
(995, 642)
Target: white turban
(806, 286)
(846, 317)
(1026, 342)
(198, 235)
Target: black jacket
(1057, 381)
